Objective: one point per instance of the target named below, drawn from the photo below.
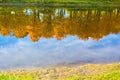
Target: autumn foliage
(59, 22)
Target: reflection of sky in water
(66, 14)
(28, 11)
(22, 52)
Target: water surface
(37, 36)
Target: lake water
(37, 36)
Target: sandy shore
(64, 72)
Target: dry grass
(62, 73)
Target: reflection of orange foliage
(29, 27)
(20, 31)
(20, 34)
(34, 35)
(34, 38)
(95, 24)
(59, 32)
(5, 32)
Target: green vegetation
(82, 72)
(5, 76)
(108, 76)
(63, 1)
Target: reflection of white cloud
(28, 11)
(68, 50)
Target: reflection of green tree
(94, 23)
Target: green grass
(14, 77)
(64, 1)
(8, 77)
(108, 76)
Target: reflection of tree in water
(84, 23)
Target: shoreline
(54, 66)
(57, 66)
(60, 5)
(87, 71)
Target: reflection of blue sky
(111, 40)
(7, 40)
(28, 12)
(22, 52)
